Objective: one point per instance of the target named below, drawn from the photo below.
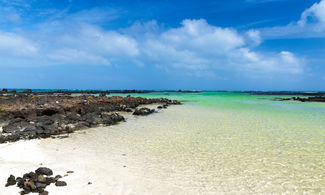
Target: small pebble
(11, 181)
(57, 177)
(44, 193)
(60, 183)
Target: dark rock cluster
(30, 117)
(163, 106)
(303, 99)
(290, 93)
(35, 182)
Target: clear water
(218, 142)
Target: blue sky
(166, 44)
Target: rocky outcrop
(30, 117)
(301, 99)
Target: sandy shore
(109, 169)
(25, 156)
(184, 150)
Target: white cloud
(315, 12)
(74, 56)
(198, 46)
(194, 48)
(254, 36)
(86, 44)
(283, 62)
(310, 24)
(93, 45)
(12, 44)
(199, 35)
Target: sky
(163, 44)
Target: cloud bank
(194, 47)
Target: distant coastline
(69, 92)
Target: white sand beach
(107, 168)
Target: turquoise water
(215, 143)
(237, 142)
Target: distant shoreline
(69, 92)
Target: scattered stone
(89, 183)
(2, 139)
(30, 185)
(50, 180)
(44, 171)
(40, 185)
(20, 182)
(44, 193)
(70, 171)
(57, 177)
(35, 182)
(60, 183)
(41, 179)
(143, 111)
(128, 110)
(11, 181)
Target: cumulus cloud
(310, 24)
(315, 13)
(254, 36)
(195, 47)
(198, 46)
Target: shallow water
(214, 142)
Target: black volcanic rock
(60, 183)
(28, 91)
(143, 111)
(35, 182)
(11, 181)
(31, 116)
(44, 171)
(303, 99)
